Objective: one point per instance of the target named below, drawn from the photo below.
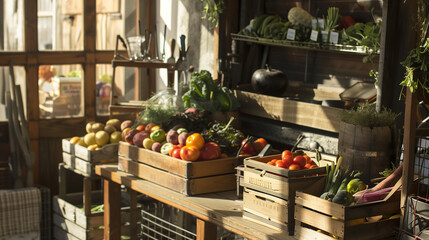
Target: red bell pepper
(346, 22)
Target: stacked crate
(269, 191)
(83, 160)
(73, 217)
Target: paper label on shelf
(333, 38)
(314, 35)
(291, 34)
(324, 36)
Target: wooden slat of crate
(69, 159)
(264, 221)
(319, 213)
(106, 153)
(382, 230)
(68, 147)
(209, 184)
(264, 181)
(186, 169)
(75, 229)
(301, 113)
(266, 206)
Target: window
(19, 73)
(60, 24)
(60, 91)
(12, 27)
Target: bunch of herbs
(367, 116)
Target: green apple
(158, 135)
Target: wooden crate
(70, 220)
(189, 178)
(313, 213)
(268, 186)
(83, 160)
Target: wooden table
(211, 210)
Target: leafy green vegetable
(226, 136)
(205, 94)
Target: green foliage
(367, 116)
(212, 9)
(207, 95)
(417, 61)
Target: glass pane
(103, 88)
(12, 26)
(110, 22)
(5, 83)
(60, 91)
(60, 24)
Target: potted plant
(417, 62)
(366, 139)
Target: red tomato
(176, 153)
(196, 140)
(250, 147)
(189, 153)
(307, 159)
(210, 151)
(286, 153)
(178, 146)
(282, 164)
(260, 144)
(272, 162)
(313, 166)
(223, 155)
(294, 166)
(288, 159)
(307, 166)
(300, 160)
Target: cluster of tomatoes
(196, 149)
(291, 162)
(252, 146)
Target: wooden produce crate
(186, 177)
(345, 222)
(268, 189)
(83, 160)
(70, 221)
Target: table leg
(112, 210)
(206, 230)
(133, 214)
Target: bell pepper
(210, 151)
(189, 153)
(196, 140)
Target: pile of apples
(176, 142)
(100, 134)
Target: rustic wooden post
(409, 147)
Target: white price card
(333, 38)
(314, 35)
(291, 34)
(324, 36)
(314, 23)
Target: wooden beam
(112, 211)
(90, 23)
(409, 147)
(206, 230)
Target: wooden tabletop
(223, 209)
